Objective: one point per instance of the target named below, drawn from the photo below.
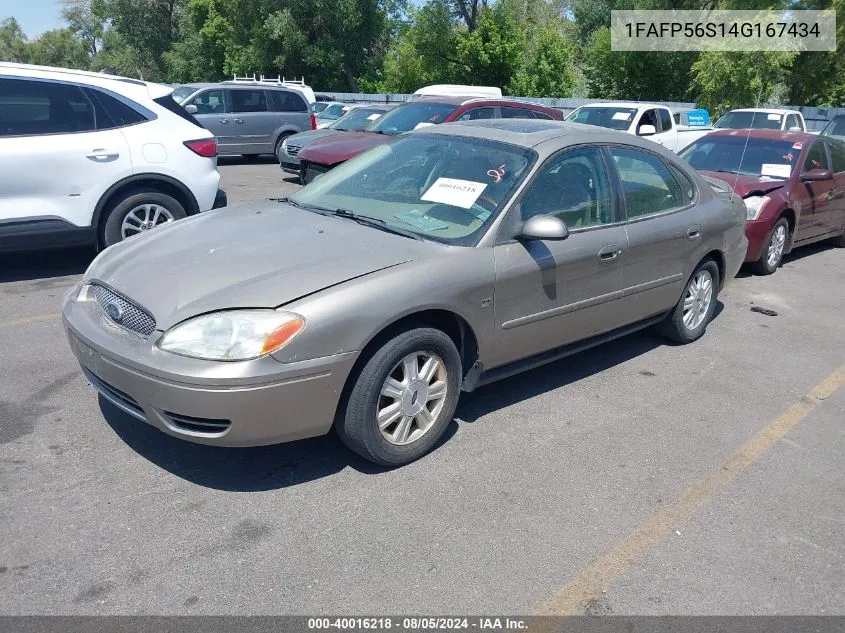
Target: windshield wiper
(376, 223)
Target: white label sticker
(774, 117)
(458, 193)
(773, 169)
(621, 116)
(373, 116)
(423, 124)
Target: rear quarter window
(284, 101)
(168, 103)
(113, 113)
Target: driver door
(550, 293)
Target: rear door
(253, 120)
(213, 114)
(836, 151)
(293, 113)
(59, 152)
(664, 231)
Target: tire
(278, 150)
(769, 262)
(411, 437)
(136, 202)
(674, 326)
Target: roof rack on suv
(279, 80)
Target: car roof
(530, 133)
(622, 104)
(774, 135)
(766, 110)
(134, 88)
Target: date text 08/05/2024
(418, 623)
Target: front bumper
(757, 232)
(220, 199)
(247, 403)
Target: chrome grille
(123, 312)
(293, 150)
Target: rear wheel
(403, 398)
(688, 320)
(139, 211)
(773, 248)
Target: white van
(456, 90)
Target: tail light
(313, 122)
(206, 147)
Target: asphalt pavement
(636, 478)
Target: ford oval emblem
(115, 312)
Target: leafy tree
(83, 24)
(59, 48)
(13, 45)
(493, 51)
(547, 71)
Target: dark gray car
(359, 117)
(249, 119)
(446, 259)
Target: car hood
(259, 255)
(309, 136)
(745, 185)
(330, 151)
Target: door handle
(694, 232)
(223, 120)
(102, 155)
(609, 253)
(238, 120)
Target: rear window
(613, 118)
(412, 115)
(284, 101)
(168, 103)
(771, 159)
(750, 120)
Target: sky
(34, 16)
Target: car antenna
(748, 132)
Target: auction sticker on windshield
(458, 193)
(621, 116)
(773, 169)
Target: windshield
(183, 92)
(443, 188)
(762, 157)
(613, 118)
(407, 117)
(836, 128)
(357, 119)
(750, 120)
(334, 111)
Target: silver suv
(248, 119)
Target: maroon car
(793, 184)
(323, 154)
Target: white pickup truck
(763, 119)
(655, 122)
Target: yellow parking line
(597, 577)
(39, 318)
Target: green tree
(13, 44)
(493, 52)
(85, 26)
(59, 48)
(547, 71)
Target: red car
(793, 184)
(321, 155)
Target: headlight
(233, 335)
(285, 144)
(754, 206)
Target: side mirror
(815, 175)
(191, 109)
(544, 227)
(646, 130)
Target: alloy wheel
(412, 397)
(776, 245)
(697, 300)
(143, 218)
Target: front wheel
(280, 155)
(403, 398)
(138, 212)
(690, 316)
(773, 249)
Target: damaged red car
(793, 185)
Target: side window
(111, 112)
(837, 155)
(542, 115)
(209, 102)
(30, 107)
(791, 122)
(285, 101)
(649, 118)
(244, 101)
(665, 119)
(687, 186)
(816, 157)
(572, 186)
(478, 113)
(517, 113)
(648, 184)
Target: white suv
(93, 158)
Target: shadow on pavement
(263, 159)
(43, 264)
